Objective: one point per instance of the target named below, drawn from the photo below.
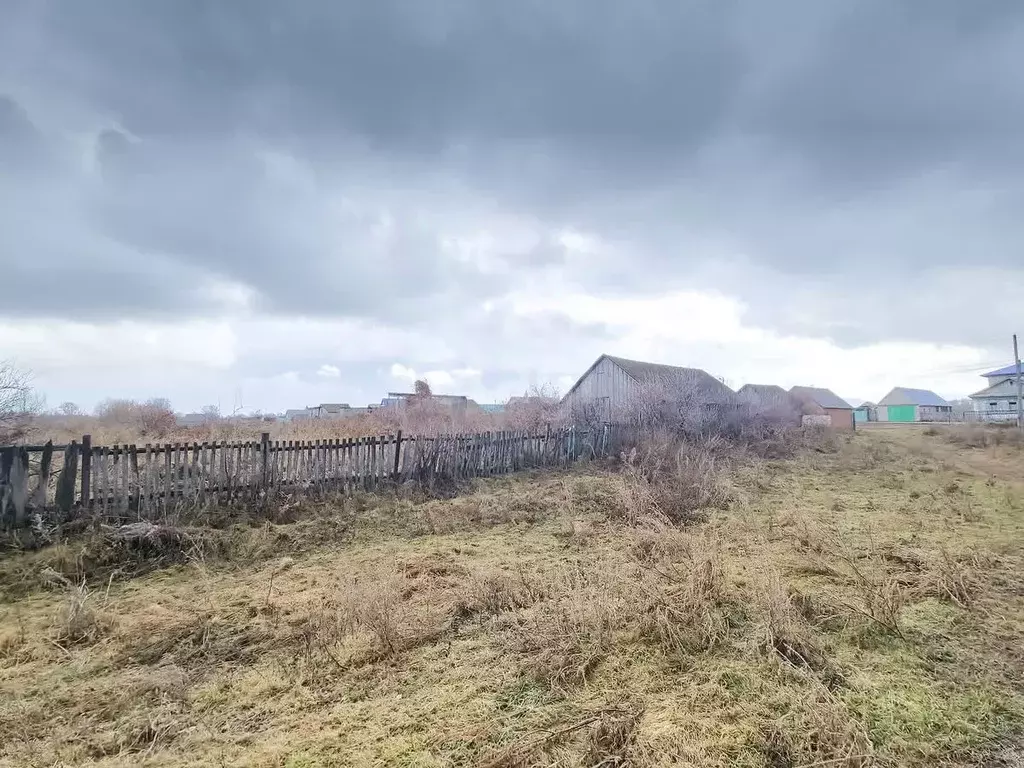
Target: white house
(909, 405)
(998, 401)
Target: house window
(993, 404)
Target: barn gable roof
(658, 373)
(763, 392)
(908, 396)
(820, 396)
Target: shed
(866, 411)
(612, 385)
(817, 400)
(904, 404)
(769, 395)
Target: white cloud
(275, 362)
(399, 371)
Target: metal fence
(55, 483)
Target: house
(296, 414)
(335, 411)
(817, 400)
(764, 395)
(904, 404)
(458, 404)
(613, 386)
(192, 419)
(866, 411)
(998, 400)
(330, 410)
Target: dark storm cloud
(820, 141)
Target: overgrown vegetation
(855, 604)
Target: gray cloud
(319, 154)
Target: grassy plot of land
(849, 608)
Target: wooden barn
(610, 388)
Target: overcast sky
(268, 204)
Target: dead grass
(842, 608)
(666, 483)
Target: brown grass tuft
(786, 635)
(77, 621)
(685, 607)
(566, 636)
(820, 731)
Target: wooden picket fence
(55, 483)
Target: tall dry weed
(77, 620)
(564, 637)
(784, 632)
(684, 606)
(667, 483)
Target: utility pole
(1020, 386)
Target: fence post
(264, 449)
(64, 496)
(86, 471)
(398, 449)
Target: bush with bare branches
(18, 403)
(666, 482)
(534, 410)
(152, 418)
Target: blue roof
(1009, 370)
(922, 396)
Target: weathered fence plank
(121, 482)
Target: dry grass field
(860, 606)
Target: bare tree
(155, 417)
(536, 408)
(211, 412)
(67, 408)
(18, 403)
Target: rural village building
(765, 396)
(817, 400)
(998, 401)
(612, 386)
(866, 411)
(904, 404)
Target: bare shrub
(534, 410)
(881, 596)
(984, 435)
(878, 595)
(152, 418)
(667, 483)
(18, 404)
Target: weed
(77, 622)
(684, 609)
(567, 636)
